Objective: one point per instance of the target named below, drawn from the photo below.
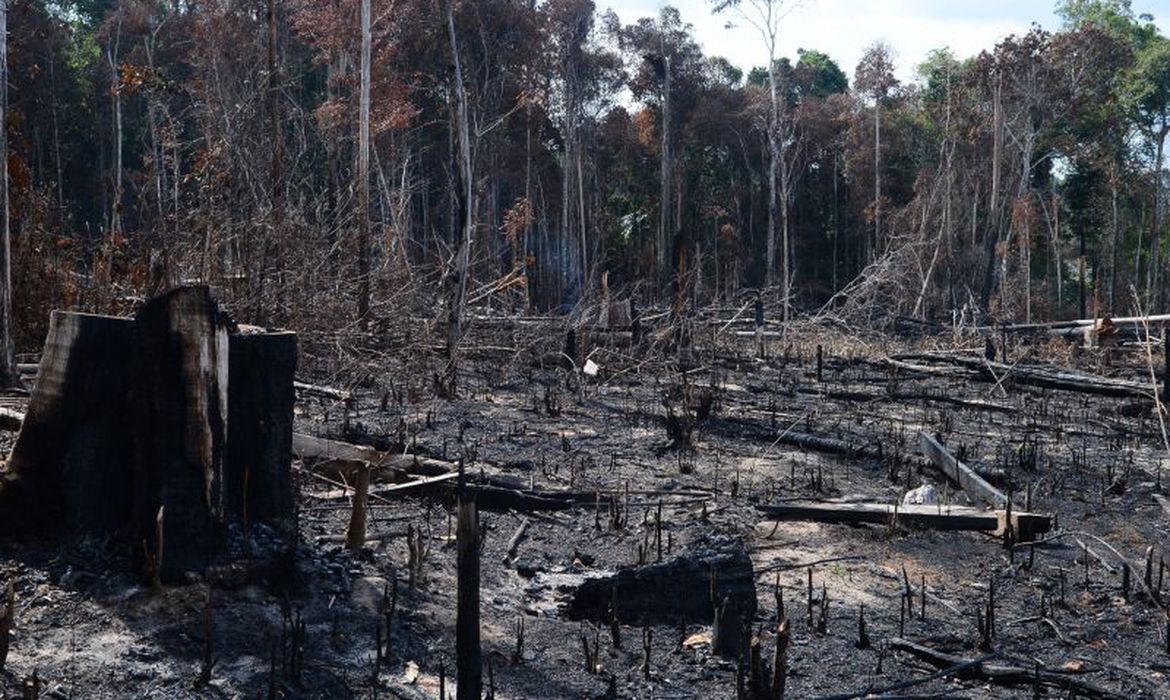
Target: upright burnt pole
(469, 661)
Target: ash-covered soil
(307, 623)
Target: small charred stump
(688, 585)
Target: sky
(844, 28)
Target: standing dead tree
(8, 373)
(363, 257)
(466, 210)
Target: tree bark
(773, 164)
(877, 176)
(112, 58)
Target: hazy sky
(844, 28)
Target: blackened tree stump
(175, 411)
(687, 586)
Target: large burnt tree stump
(174, 410)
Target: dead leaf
(697, 639)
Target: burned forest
(483, 349)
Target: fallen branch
(1000, 674)
(514, 543)
(960, 473)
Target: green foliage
(817, 75)
(1148, 85)
(939, 73)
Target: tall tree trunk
(665, 228)
(1155, 264)
(56, 129)
(773, 165)
(363, 261)
(8, 374)
(1115, 230)
(877, 177)
(466, 207)
(112, 57)
(584, 266)
(275, 179)
(568, 172)
(785, 262)
(992, 236)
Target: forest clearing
(534, 349)
(716, 459)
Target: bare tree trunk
(584, 267)
(992, 240)
(1115, 227)
(1028, 264)
(112, 57)
(275, 184)
(665, 228)
(466, 208)
(785, 262)
(877, 176)
(8, 374)
(773, 164)
(363, 309)
(1155, 219)
(56, 129)
(567, 174)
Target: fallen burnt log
(1080, 323)
(684, 587)
(343, 459)
(1043, 377)
(1001, 674)
(172, 416)
(933, 517)
(758, 430)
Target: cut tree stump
(172, 411)
(663, 592)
